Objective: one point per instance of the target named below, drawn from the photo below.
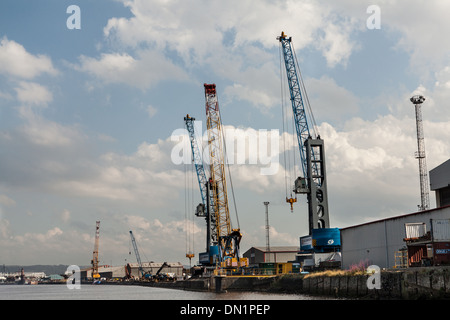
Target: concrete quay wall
(412, 283)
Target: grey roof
(440, 176)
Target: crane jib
(301, 122)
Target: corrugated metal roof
(397, 217)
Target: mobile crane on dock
(138, 257)
(222, 240)
(321, 238)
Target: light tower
(420, 154)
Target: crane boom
(136, 252)
(312, 151)
(197, 157)
(94, 261)
(215, 139)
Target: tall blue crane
(206, 208)
(312, 152)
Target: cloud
(148, 69)
(43, 132)
(31, 93)
(17, 62)
(331, 102)
(236, 45)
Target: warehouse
(380, 242)
(257, 255)
(440, 183)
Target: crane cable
(189, 205)
(305, 94)
(228, 168)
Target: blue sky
(86, 116)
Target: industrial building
(381, 242)
(440, 183)
(257, 255)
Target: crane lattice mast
(228, 238)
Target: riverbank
(406, 284)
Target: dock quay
(406, 284)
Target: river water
(124, 292)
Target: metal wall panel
(441, 229)
(377, 242)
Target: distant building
(440, 183)
(257, 255)
(119, 272)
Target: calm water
(122, 292)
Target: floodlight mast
(417, 100)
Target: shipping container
(440, 229)
(415, 230)
(441, 253)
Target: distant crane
(417, 100)
(136, 252)
(94, 261)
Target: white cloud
(43, 132)
(16, 61)
(31, 93)
(233, 44)
(148, 69)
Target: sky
(92, 103)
